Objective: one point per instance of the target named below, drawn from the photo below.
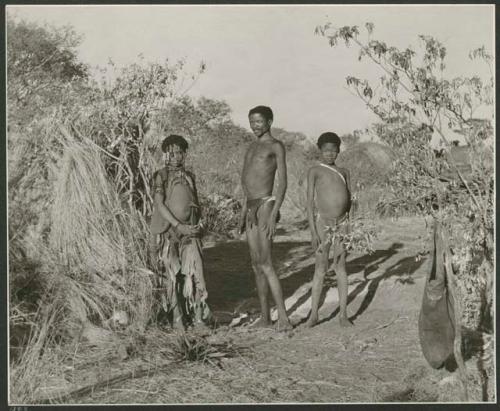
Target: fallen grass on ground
(65, 373)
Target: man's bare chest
(261, 154)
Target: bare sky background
(269, 54)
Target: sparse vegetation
(415, 102)
(81, 153)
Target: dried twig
(135, 373)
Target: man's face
(329, 153)
(259, 124)
(175, 156)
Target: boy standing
(330, 186)
(260, 212)
(175, 234)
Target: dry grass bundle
(192, 347)
(95, 264)
(86, 208)
(29, 375)
(100, 247)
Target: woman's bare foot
(345, 322)
(178, 325)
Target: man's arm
(244, 208)
(279, 151)
(243, 215)
(281, 186)
(311, 181)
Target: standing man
(260, 212)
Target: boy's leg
(266, 266)
(260, 279)
(320, 270)
(341, 272)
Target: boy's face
(259, 124)
(329, 152)
(175, 156)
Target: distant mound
(367, 162)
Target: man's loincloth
(180, 254)
(253, 207)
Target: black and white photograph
(250, 204)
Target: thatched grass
(99, 245)
(94, 264)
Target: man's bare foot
(311, 322)
(344, 322)
(261, 323)
(284, 325)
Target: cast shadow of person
(230, 278)
(403, 268)
(231, 283)
(298, 285)
(367, 263)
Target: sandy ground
(376, 360)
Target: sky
(269, 54)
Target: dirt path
(378, 359)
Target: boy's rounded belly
(180, 203)
(332, 205)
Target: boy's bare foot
(311, 322)
(261, 323)
(345, 322)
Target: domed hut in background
(369, 163)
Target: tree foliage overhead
(415, 102)
(41, 63)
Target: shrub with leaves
(358, 237)
(416, 102)
(220, 213)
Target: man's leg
(341, 272)
(320, 270)
(260, 279)
(266, 266)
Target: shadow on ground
(231, 283)
(230, 279)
